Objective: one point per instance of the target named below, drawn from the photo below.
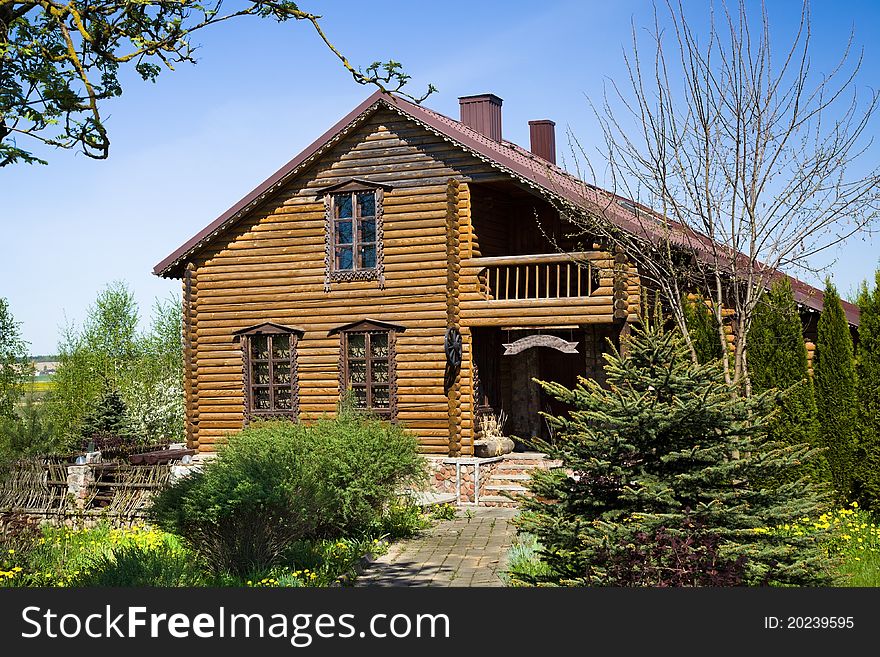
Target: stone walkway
(469, 550)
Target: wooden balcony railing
(539, 276)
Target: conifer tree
(836, 402)
(655, 488)
(777, 360)
(107, 418)
(868, 377)
(702, 328)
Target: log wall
(270, 267)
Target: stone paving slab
(469, 550)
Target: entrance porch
(508, 360)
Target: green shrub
(524, 565)
(164, 565)
(702, 329)
(276, 483)
(836, 393)
(401, 519)
(868, 377)
(778, 360)
(63, 556)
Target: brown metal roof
(529, 169)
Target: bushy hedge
(279, 482)
(836, 393)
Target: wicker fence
(57, 490)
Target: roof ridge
(511, 158)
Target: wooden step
(512, 456)
(510, 476)
(496, 500)
(510, 488)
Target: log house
(397, 259)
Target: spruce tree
(868, 377)
(655, 488)
(777, 360)
(702, 329)
(836, 400)
(107, 418)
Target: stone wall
(465, 475)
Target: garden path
(469, 550)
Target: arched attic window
(353, 234)
(367, 365)
(269, 375)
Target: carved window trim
(270, 331)
(368, 328)
(353, 187)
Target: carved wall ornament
(550, 341)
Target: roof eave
(170, 266)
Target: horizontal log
(397, 170)
(209, 409)
(538, 322)
(531, 307)
(538, 258)
(314, 273)
(417, 332)
(297, 294)
(240, 316)
(310, 248)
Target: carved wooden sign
(530, 341)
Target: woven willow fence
(116, 490)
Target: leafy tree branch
(59, 61)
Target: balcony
(548, 289)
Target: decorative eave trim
(269, 328)
(354, 185)
(367, 324)
(325, 142)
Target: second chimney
(482, 113)
(542, 135)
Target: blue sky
(188, 147)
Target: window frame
(352, 187)
(269, 331)
(357, 244)
(368, 328)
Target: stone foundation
(464, 476)
(495, 481)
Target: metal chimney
(542, 135)
(482, 113)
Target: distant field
(38, 386)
